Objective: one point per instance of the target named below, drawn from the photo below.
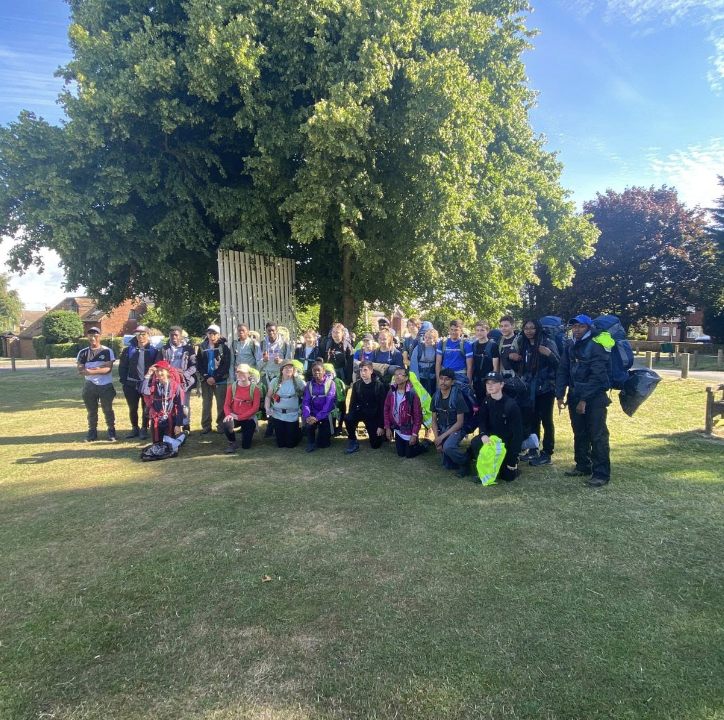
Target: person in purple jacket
(318, 402)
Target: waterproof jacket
(128, 368)
(369, 400)
(341, 357)
(188, 362)
(410, 417)
(214, 361)
(543, 378)
(319, 399)
(502, 418)
(163, 400)
(584, 372)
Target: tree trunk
(350, 308)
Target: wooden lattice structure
(256, 289)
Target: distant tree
(11, 306)
(654, 258)
(714, 309)
(61, 326)
(384, 145)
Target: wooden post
(677, 354)
(695, 361)
(657, 357)
(12, 362)
(47, 362)
(649, 359)
(684, 365)
(720, 358)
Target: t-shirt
(453, 358)
(504, 347)
(175, 355)
(483, 354)
(447, 416)
(96, 358)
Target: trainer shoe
(311, 447)
(352, 447)
(596, 482)
(112, 435)
(133, 434)
(463, 470)
(91, 436)
(576, 473)
(206, 431)
(543, 458)
(231, 448)
(143, 433)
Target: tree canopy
(61, 326)
(654, 258)
(384, 145)
(11, 306)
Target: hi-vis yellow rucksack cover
(490, 459)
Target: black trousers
(320, 433)
(543, 415)
(248, 428)
(94, 395)
(133, 397)
(591, 449)
(286, 433)
(406, 450)
(353, 418)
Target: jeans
(133, 397)
(93, 395)
(452, 456)
(208, 393)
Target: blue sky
(631, 92)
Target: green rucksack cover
(425, 400)
(490, 459)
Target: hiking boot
(206, 431)
(91, 436)
(311, 447)
(231, 448)
(543, 458)
(596, 482)
(112, 435)
(352, 447)
(509, 476)
(463, 470)
(338, 432)
(576, 473)
(133, 434)
(143, 433)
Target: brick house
(122, 320)
(689, 327)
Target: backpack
(461, 348)
(425, 400)
(490, 460)
(158, 451)
(555, 330)
(622, 358)
(471, 420)
(299, 385)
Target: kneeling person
(499, 415)
(366, 405)
(163, 397)
(282, 405)
(240, 407)
(448, 420)
(403, 415)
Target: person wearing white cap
(213, 361)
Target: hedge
(71, 349)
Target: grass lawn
(283, 585)
(704, 362)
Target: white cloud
(692, 171)
(37, 290)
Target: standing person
(308, 352)
(584, 371)
(274, 350)
(499, 415)
(502, 363)
(179, 353)
(214, 360)
(136, 358)
(456, 354)
(282, 404)
(95, 365)
(241, 405)
(366, 405)
(320, 397)
(163, 397)
(423, 360)
(448, 418)
(246, 349)
(403, 416)
(339, 353)
(386, 353)
(485, 351)
(368, 348)
(536, 359)
(409, 343)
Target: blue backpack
(471, 416)
(555, 330)
(622, 358)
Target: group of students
(504, 383)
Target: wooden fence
(256, 289)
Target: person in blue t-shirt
(456, 354)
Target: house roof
(84, 305)
(28, 317)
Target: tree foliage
(654, 258)
(11, 306)
(383, 145)
(714, 310)
(61, 326)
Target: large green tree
(384, 145)
(714, 308)
(654, 258)
(11, 306)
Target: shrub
(62, 326)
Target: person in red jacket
(163, 397)
(403, 415)
(240, 409)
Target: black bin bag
(640, 384)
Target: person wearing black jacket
(213, 360)
(366, 405)
(499, 415)
(179, 353)
(136, 358)
(584, 371)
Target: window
(131, 314)
(691, 333)
(665, 331)
(656, 331)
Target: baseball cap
(583, 319)
(494, 377)
(141, 329)
(93, 331)
(213, 329)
